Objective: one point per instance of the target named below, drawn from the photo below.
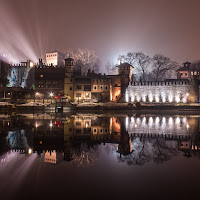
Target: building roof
(124, 65)
(56, 52)
(187, 66)
(69, 59)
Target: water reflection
(75, 139)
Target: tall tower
(69, 79)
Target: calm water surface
(99, 156)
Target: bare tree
(85, 58)
(142, 61)
(110, 68)
(162, 66)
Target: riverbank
(100, 107)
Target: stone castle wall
(163, 92)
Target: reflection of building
(50, 157)
(76, 137)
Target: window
(106, 87)
(78, 123)
(54, 84)
(87, 124)
(78, 131)
(87, 95)
(95, 131)
(191, 73)
(195, 73)
(106, 130)
(41, 75)
(78, 94)
(95, 87)
(101, 87)
(70, 88)
(185, 74)
(87, 87)
(70, 80)
(101, 130)
(48, 84)
(78, 87)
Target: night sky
(30, 28)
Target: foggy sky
(29, 28)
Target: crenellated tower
(69, 79)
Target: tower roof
(124, 65)
(69, 59)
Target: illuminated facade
(188, 72)
(55, 58)
(172, 91)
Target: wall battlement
(160, 83)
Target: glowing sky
(30, 28)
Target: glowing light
(157, 120)
(144, 98)
(157, 99)
(163, 99)
(184, 120)
(187, 94)
(36, 125)
(51, 124)
(86, 124)
(150, 98)
(188, 126)
(170, 121)
(29, 151)
(184, 100)
(177, 99)
(132, 119)
(138, 98)
(178, 120)
(170, 98)
(150, 121)
(126, 123)
(51, 94)
(163, 120)
(126, 96)
(37, 93)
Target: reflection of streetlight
(51, 95)
(51, 124)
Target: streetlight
(51, 95)
(36, 94)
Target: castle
(67, 81)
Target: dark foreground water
(89, 156)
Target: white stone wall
(159, 92)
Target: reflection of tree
(86, 157)
(140, 155)
(143, 154)
(145, 151)
(162, 152)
